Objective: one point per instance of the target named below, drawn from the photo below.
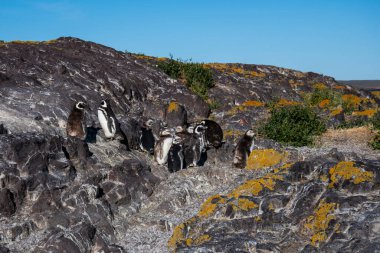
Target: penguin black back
(243, 149)
(147, 140)
(76, 121)
(176, 160)
(213, 133)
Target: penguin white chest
(104, 124)
(163, 154)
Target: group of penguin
(178, 147)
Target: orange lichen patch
(234, 69)
(369, 113)
(256, 74)
(173, 106)
(336, 111)
(253, 103)
(255, 186)
(263, 158)
(319, 86)
(324, 103)
(283, 168)
(351, 99)
(144, 57)
(347, 171)
(24, 42)
(285, 102)
(236, 109)
(376, 94)
(246, 204)
(162, 58)
(319, 222)
(201, 239)
(210, 205)
(339, 87)
(177, 236)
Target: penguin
(146, 137)
(107, 119)
(163, 145)
(76, 121)
(195, 148)
(213, 133)
(243, 149)
(176, 160)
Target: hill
(59, 193)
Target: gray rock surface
(60, 194)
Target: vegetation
(293, 125)
(197, 77)
(375, 143)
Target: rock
(7, 204)
(176, 115)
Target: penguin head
(167, 131)
(103, 104)
(199, 129)
(177, 140)
(190, 129)
(250, 133)
(179, 129)
(149, 123)
(80, 105)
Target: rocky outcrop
(60, 194)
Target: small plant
(324, 97)
(376, 121)
(197, 77)
(375, 143)
(293, 125)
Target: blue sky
(340, 38)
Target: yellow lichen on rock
(376, 94)
(246, 204)
(210, 205)
(339, 87)
(319, 86)
(201, 239)
(253, 103)
(347, 171)
(369, 113)
(351, 99)
(319, 222)
(173, 107)
(324, 103)
(255, 186)
(336, 112)
(177, 236)
(263, 158)
(285, 102)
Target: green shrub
(320, 94)
(376, 121)
(293, 125)
(375, 143)
(196, 76)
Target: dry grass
(349, 139)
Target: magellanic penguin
(243, 149)
(163, 145)
(213, 133)
(107, 119)
(146, 137)
(76, 121)
(195, 147)
(176, 160)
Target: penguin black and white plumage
(176, 159)
(213, 133)
(163, 145)
(243, 149)
(107, 119)
(195, 147)
(147, 139)
(76, 121)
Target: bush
(196, 76)
(321, 94)
(376, 121)
(375, 143)
(293, 125)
